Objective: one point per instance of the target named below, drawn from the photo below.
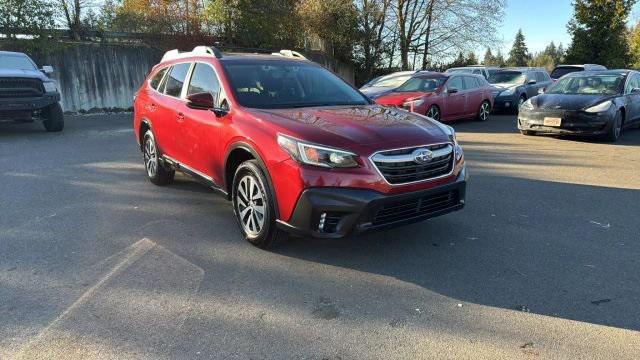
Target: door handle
(180, 117)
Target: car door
(474, 95)
(531, 84)
(632, 94)
(169, 128)
(455, 98)
(200, 133)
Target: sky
(541, 21)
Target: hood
(398, 98)
(503, 86)
(375, 91)
(567, 102)
(356, 127)
(31, 74)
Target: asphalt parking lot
(96, 262)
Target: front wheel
(433, 112)
(483, 111)
(521, 101)
(53, 118)
(254, 205)
(616, 128)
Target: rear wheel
(53, 118)
(483, 111)
(616, 128)
(254, 205)
(433, 112)
(156, 172)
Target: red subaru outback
(293, 146)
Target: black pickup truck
(27, 94)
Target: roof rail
(290, 53)
(197, 51)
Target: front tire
(53, 118)
(433, 112)
(521, 101)
(156, 172)
(483, 111)
(254, 205)
(616, 128)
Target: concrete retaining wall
(103, 77)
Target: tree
(332, 20)
(25, 16)
(488, 58)
(634, 46)
(598, 31)
(372, 35)
(519, 54)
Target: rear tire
(254, 205)
(483, 111)
(54, 118)
(156, 172)
(616, 129)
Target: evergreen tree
(488, 58)
(519, 54)
(471, 59)
(499, 59)
(598, 32)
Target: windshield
(562, 71)
(592, 84)
(16, 62)
(507, 77)
(283, 84)
(422, 84)
(391, 81)
(460, 70)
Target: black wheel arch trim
(247, 147)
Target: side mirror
(452, 90)
(531, 82)
(635, 91)
(200, 101)
(46, 69)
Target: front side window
(288, 84)
(632, 83)
(176, 79)
(609, 84)
(455, 83)
(16, 62)
(204, 80)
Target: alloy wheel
(433, 113)
(251, 207)
(484, 111)
(150, 157)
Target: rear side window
(176, 79)
(157, 78)
(204, 80)
(471, 83)
(542, 77)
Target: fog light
(507, 104)
(323, 216)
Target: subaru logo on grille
(422, 156)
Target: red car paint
(453, 102)
(202, 141)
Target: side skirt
(200, 177)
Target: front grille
(20, 87)
(400, 166)
(416, 207)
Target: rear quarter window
(157, 79)
(176, 79)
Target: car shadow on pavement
(567, 251)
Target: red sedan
(443, 97)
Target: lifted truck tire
(54, 118)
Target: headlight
(600, 107)
(508, 92)
(317, 155)
(456, 147)
(527, 105)
(50, 87)
(414, 103)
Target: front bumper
(10, 104)
(573, 122)
(350, 211)
(505, 102)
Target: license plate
(552, 121)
